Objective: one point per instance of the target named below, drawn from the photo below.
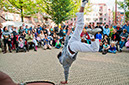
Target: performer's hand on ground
(63, 82)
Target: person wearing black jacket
(98, 26)
(116, 38)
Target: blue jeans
(110, 51)
(121, 43)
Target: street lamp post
(124, 11)
(115, 11)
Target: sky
(110, 3)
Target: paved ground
(88, 69)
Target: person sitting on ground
(100, 46)
(127, 43)
(29, 38)
(58, 44)
(112, 48)
(46, 42)
(105, 48)
(123, 37)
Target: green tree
(60, 10)
(126, 4)
(23, 7)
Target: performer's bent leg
(83, 47)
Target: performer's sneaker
(85, 1)
(93, 31)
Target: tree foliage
(23, 7)
(126, 4)
(60, 10)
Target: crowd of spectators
(112, 38)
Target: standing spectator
(39, 29)
(106, 30)
(7, 39)
(111, 31)
(123, 37)
(98, 26)
(15, 38)
(112, 48)
(26, 29)
(31, 28)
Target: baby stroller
(21, 45)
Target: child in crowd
(58, 44)
(21, 43)
(99, 36)
(46, 42)
(112, 48)
(100, 46)
(127, 43)
(12, 42)
(105, 48)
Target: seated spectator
(116, 38)
(127, 43)
(106, 39)
(123, 37)
(58, 44)
(99, 36)
(100, 46)
(112, 48)
(106, 30)
(85, 37)
(21, 30)
(105, 48)
(30, 40)
(41, 35)
(46, 42)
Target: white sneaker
(93, 31)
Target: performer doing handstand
(73, 45)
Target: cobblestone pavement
(88, 69)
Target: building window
(101, 14)
(88, 19)
(101, 19)
(105, 19)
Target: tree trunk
(22, 20)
